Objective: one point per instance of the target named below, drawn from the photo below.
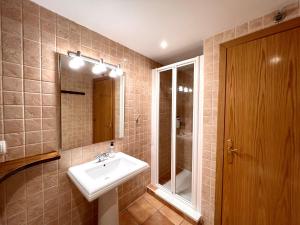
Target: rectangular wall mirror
(92, 106)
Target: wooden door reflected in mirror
(103, 113)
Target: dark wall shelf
(10, 168)
(72, 92)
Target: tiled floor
(149, 211)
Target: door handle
(231, 151)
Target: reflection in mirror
(92, 105)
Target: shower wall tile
(211, 85)
(30, 37)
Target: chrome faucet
(102, 157)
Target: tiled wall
(30, 36)
(211, 54)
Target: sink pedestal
(108, 208)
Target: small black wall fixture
(72, 92)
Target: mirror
(92, 106)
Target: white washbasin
(96, 178)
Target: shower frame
(197, 138)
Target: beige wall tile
(33, 124)
(48, 32)
(48, 57)
(33, 149)
(13, 140)
(33, 137)
(33, 112)
(31, 7)
(48, 88)
(32, 53)
(49, 123)
(32, 73)
(31, 26)
(49, 112)
(48, 15)
(49, 75)
(32, 86)
(49, 136)
(12, 98)
(13, 112)
(13, 126)
(12, 84)
(14, 153)
(11, 48)
(32, 99)
(12, 70)
(11, 18)
(49, 99)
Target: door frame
(282, 27)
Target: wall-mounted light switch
(2, 147)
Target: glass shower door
(184, 131)
(176, 105)
(165, 126)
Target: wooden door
(261, 170)
(103, 107)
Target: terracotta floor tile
(153, 201)
(141, 210)
(171, 215)
(127, 219)
(158, 219)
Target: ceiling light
(185, 89)
(180, 89)
(76, 62)
(190, 90)
(163, 44)
(99, 68)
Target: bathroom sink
(97, 178)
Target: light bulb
(76, 62)
(190, 90)
(119, 71)
(185, 89)
(99, 68)
(180, 89)
(113, 73)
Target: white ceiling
(142, 24)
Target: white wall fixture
(189, 203)
(100, 67)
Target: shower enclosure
(177, 114)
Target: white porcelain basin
(96, 178)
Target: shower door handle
(231, 151)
